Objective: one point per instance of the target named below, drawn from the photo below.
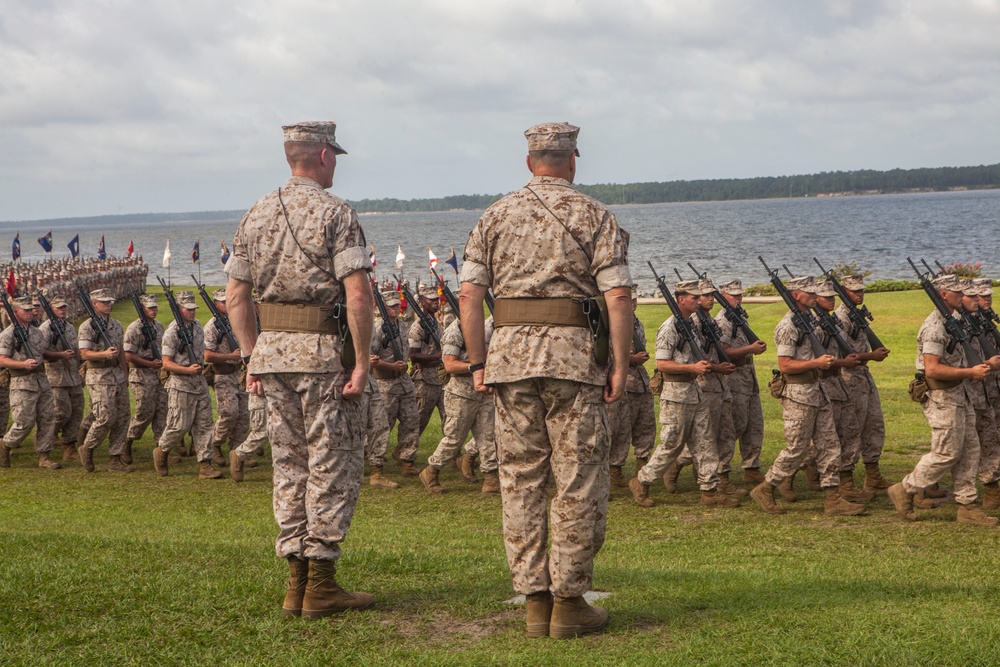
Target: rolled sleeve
(475, 273)
(84, 344)
(451, 350)
(350, 260)
(129, 347)
(937, 348)
(786, 351)
(168, 351)
(614, 276)
(238, 268)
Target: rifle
(682, 325)
(426, 321)
(710, 330)
(802, 319)
(988, 318)
(20, 331)
(490, 301)
(57, 324)
(221, 321)
(186, 336)
(972, 322)
(148, 329)
(735, 314)
(951, 325)
(389, 328)
(637, 345)
(449, 296)
(829, 324)
(859, 316)
(95, 319)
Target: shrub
(891, 286)
(965, 270)
(766, 289)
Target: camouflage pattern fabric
(865, 397)
(233, 422)
(376, 425)
(257, 437)
(30, 394)
(149, 393)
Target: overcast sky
(116, 106)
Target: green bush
(891, 286)
(766, 289)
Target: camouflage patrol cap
(825, 288)
(553, 137)
(948, 282)
(318, 132)
(185, 299)
(391, 297)
(149, 301)
(219, 295)
(968, 287)
(802, 284)
(102, 295)
(58, 302)
(984, 286)
(688, 287)
(427, 291)
(855, 283)
(733, 287)
(635, 291)
(705, 286)
(23, 302)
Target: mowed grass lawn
(134, 569)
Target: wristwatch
(476, 367)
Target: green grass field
(136, 569)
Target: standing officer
(543, 249)
(144, 378)
(303, 252)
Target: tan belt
(933, 383)
(743, 361)
(104, 363)
(19, 373)
(386, 375)
(678, 377)
(558, 312)
(224, 369)
(297, 318)
(829, 373)
(807, 377)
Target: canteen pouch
(596, 310)
(918, 388)
(443, 375)
(209, 373)
(777, 383)
(656, 383)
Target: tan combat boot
(835, 505)
(572, 617)
(763, 495)
(991, 499)
(539, 606)
(640, 492)
(786, 490)
(729, 489)
(217, 457)
(395, 455)
(935, 491)
(4, 456)
(850, 492)
(206, 471)
(380, 481)
(407, 469)
(467, 468)
(117, 465)
(874, 478)
(127, 454)
(640, 463)
(752, 476)
(922, 502)
(324, 597)
(159, 461)
(86, 457)
(45, 462)
(902, 500)
(974, 516)
(618, 480)
(491, 484)
(429, 476)
(249, 463)
(716, 498)
(812, 476)
(670, 477)
(235, 466)
(298, 577)
(69, 452)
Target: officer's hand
(615, 388)
(758, 348)
(980, 372)
(194, 369)
(254, 385)
(66, 354)
(724, 369)
(639, 358)
(30, 363)
(994, 362)
(157, 363)
(111, 353)
(851, 360)
(355, 387)
(703, 367)
(825, 361)
(374, 359)
(400, 366)
(880, 354)
(479, 382)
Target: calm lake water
(722, 238)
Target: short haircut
(298, 152)
(550, 158)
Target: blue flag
(46, 242)
(196, 251)
(15, 247)
(101, 252)
(224, 253)
(74, 246)
(452, 261)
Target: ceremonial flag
(224, 256)
(371, 254)
(166, 255)
(452, 261)
(196, 251)
(46, 242)
(399, 257)
(74, 246)
(102, 252)
(15, 247)
(11, 285)
(130, 249)
(432, 257)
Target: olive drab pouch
(777, 383)
(656, 383)
(443, 375)
(596, 310)
(209, 372)
(918, 388)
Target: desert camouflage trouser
(720, 425)
(31, 408)
(376, 429)
(234, 413)
(989, 445)
(634, 422)
(685, 423)
(188, 412)
(429, 396)
(150, 408)
(747, 426)
(868, 408)
(545, 426)
(317, 445)
(257, 437)
(954, 447)
(403, 408)
(5, 406)
(110, 409)
(807, 427)
(68, 402)
(465, 414)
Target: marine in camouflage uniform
(106, 381)
(303, 252)
(540, 248)
(189, 405)
(63, 371)
(949, 409)
(233, 423)
(144, 377)
(30, 392)
(396, 386)
(376, 435)
(253, 445)
(989, 459)
(425, 356)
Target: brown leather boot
(159, 462)
(250, 463)
(45, 462)
(935, 491)
(729, 489)
(539, 606)
(670, 477)
(324, 597)
(86, 458)
(235, 466)
(812, 476)
(991, 499)
(752, 476)
(4, 456)
(902, 500)
(379, 480)
(206, 471)
(572, 617)
(850, 492)
(298, 577)
(395, 454)
(467, 468)
(786, 490)
(640, 463)
(618, 480)
(835, 505)
(127, 454)
(429, 476)
(874, 478)
(640, 492)
(716, 498)
(974, 516)
(117, 465)
(69, 452)
(491, 484)
(81, 436)
(217, 457)
(407, 469)
(763, 495)
(922, 502)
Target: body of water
(723, 238)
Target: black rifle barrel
(683, 326)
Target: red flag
(130, 249)
(11, 285)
